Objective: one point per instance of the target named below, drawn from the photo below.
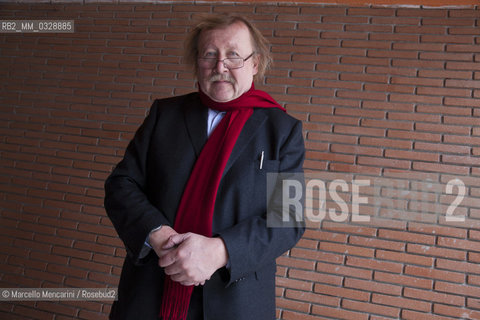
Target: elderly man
(189, 198)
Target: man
(189, 198)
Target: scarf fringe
(175, 305)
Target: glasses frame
(223, 61)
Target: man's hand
(159, 238)
(191, 259)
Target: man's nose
(220, 66)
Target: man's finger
(167, 259)
(174, 241)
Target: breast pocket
(261, 194)
(268, 166)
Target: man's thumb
(173, 241)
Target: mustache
(221, 77)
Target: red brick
(419, 64)
(374, 264)
(315, 277)
(473, 280)
(325, 235)
(464, 102)
(341, 292)
(370, 44)
(31, 313)
(290, 315)
(404, 257)
(365, 61)
(57, 308)
(342, 129)
(337, 313)
(458, 266)
(417, 81)
(316, 255)
(437, 230)
(315, 165)
(345, 19)
(368, 285)
(370, 307)
(406, 236)
(339, 167)
(462, 48)
(430, 296)
(384, 142)
(418, 46)
(337, 67)
(421, 30)
(328, 156)
(447, 39)
(343, 270)
(401, 302)
(467, 75)
(395, 37)
(459, 289)
(383, 162)
(294, 284)
(444, 91)
(456, 312)
(446, 56)
(66, 270)
(293, 305)
(358, 112)
(415, 99)
(346, 249)
(462, 65)
(434, 251)
(444, 110)
(337, 148)
(392, 71)
(337, 84)
(414, 315)
(344, 35)
(445, 148)
(312, 297)
(295, 263)
(404, 280)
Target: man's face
(218, 82)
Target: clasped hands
(188, 258)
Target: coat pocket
(268, 165)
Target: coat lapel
(196, 121)
(248, 132)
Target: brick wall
(388, 95)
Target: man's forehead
(238, 29)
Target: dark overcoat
(145, 189)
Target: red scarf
(195, 212)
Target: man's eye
(210, 55)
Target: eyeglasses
(229, 63)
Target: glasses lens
(206, 63)
(230, 63)
(233, 63)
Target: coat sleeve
(126, 201)
(253, 244)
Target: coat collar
(196, 121)
(248, 132)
